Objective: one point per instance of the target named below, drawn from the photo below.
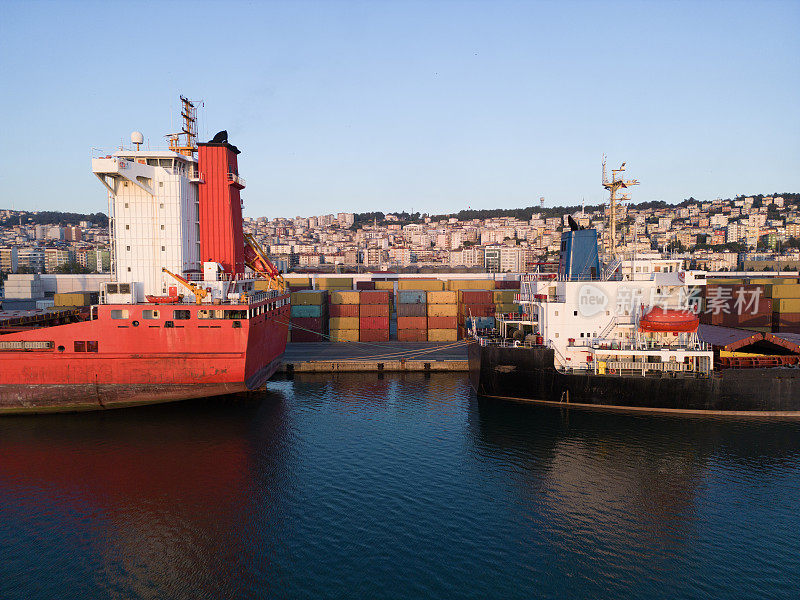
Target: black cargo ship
(500, 370)
(623, 333)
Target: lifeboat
(669, 320)
(165, 299)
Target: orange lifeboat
(669, 320)
(165, 299)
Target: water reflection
(404, 486)
(621, 496)
(158, 498)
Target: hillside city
(745, 233)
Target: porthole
(135, 323)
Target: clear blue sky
(430, 106)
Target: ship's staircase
(559, 357)
(608, 328)
(611, 268)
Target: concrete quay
(344, 357)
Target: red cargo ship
(176, 225)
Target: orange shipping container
(442, 322)
(343, 310)
(412, 323)
(374, 297)
(373, 335)
(412, 335)
(374, 310)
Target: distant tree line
(525, 214)
(52, 217)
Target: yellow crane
(199, 293)
(256, 259)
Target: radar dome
(137, 137)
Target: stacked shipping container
(309, 319)
(344, 316)
(374, 312)
(412, 311)
(442, 316)
(786, 307)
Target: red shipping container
(365, 285)
(374, 297)
(476, 297)
(412, 335)
(373, 323)
(441, 322)
(373, 335)
(506, 285)
(312, 323)
(343, 310)
(412, 323)
(733, 311)
(374, 310)
(298, 335)
(746, 320)
(477, 310)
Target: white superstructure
(153, 215)
(591, 323)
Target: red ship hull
(144, 354)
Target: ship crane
(256, 259)
(617, 183)
(199, 293)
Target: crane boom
(256, 259)
(199, 293)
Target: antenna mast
(617, 183)
(185, 142)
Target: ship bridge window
(91, 346)
(150, 314)
(210, 314)
(181, 315)
(120, 314)
(80, 346)
(165, 162)
(235, 314)
(153, 162)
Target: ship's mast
(185, 142)
(617, 183)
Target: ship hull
(528, 374)
(145, 364)
(81, 397)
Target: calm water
(351, 486)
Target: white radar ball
(137, 137)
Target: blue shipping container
(301, 310)
(481, 322)
(412, 297)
